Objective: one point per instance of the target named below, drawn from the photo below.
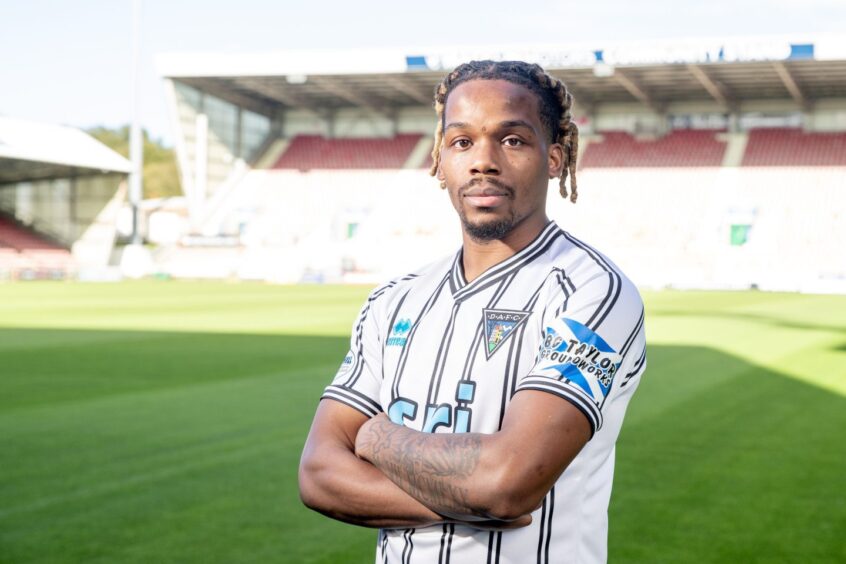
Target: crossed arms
(374, 473)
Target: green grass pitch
(163, 422)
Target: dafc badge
(499, 325)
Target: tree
(161, 177)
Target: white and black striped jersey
(439, 354)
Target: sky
(69, 62)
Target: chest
(452, 366)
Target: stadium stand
(794, 147)
(54, 184)
(323, 224)
(25, 254)
(294, 175)
(309, 152)
(681, 234)
(680, 148)
(16, 236)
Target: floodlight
(603, 70)
(296, 78)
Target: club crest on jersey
(499, 325)
(573, 352)
(399, 333)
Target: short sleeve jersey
(441, 355)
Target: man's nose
(485, 159)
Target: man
(475, 416)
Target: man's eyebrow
(455, 125)
(516, 123)
(503, 124)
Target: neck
(478, 256)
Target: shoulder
(587, 288)
(577, 267)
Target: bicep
(335, 425)
(328, 455)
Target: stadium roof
(37, 151)
(725, 72)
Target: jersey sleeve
(358, 379)
(592, 346)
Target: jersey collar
(461, 289)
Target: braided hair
(555, 103)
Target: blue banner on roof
(416, 62)
(801, 51)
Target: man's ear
(555, 156)
(439, 174)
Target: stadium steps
(421, 153)
(274, 152)
(217, 204)
(94, 247)
(735, 147)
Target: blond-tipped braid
(555, 103)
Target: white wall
(664, 227)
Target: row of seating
(307, 152)
(26, 255)
(792, 147)
(15, 236)
(682, 148)
(613, 149)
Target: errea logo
(399, 333)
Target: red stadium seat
(15, 236)
(794, 147)
(27, 255)
(680, 148)
(308, 152)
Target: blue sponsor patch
(399, 333)
(347, 364)
(571, 351)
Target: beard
(490, 230)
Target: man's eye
(513, 141)
(461, 143)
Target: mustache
(486, 180)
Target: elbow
(308, 494)
(511, 494)
(309, 485)
(511, 505)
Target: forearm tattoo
(430, 467)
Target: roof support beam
(403, 86)
(636, 89)
(229, 95)
(290, 100)
(714, 88)
(332, 87)
(790, 83)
